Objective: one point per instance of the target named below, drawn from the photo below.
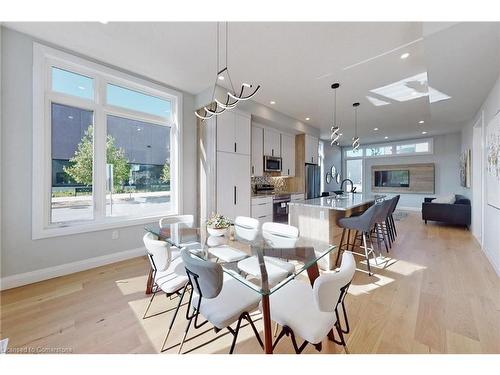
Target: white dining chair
(169, 275)
(245, 228)
(187, 220)
(219, 298)
(276, 235)
(311, 312)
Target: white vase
(216, 231)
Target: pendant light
(355, 139)
(335, 129)
(217, 107)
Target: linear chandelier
(355, 139)
(335, 129)
(217, 107)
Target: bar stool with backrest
(219, 298)
(276, 235)
(312, 312)
(390, 220)
(381, 229)
(363, 223)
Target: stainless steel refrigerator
(312, 181)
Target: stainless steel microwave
(272, 164)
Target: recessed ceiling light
(375, 129)
(421, 121)
(221, 78)
(307, 118)
(81, 87)
(424, 132)
(386, 137)
(341, 133)
(272, 102)
(405, 55)
(70, 117)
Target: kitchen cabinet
(262, 209)
(233, 184)
(287, 155)
(272, 142)
(311, 149)
(257, 151)
(233, 133)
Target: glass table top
(305, 254)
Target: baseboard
(21, 279)
(416, 209)
(490, 259)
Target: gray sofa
(458, 213)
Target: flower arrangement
(218, 222)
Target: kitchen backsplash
(278, 182)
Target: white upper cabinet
(257, 168)
(311, 149)
(272, 143)
(225, 131)
(242, 126)
(233, 133)
(287, 155)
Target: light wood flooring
(436, 293)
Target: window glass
(137, 101)
(74, 84)
(354, 172)
(379, 151)
(422, 147)
(405, 149)
(138, 168)
(354, 153)
(72, 145)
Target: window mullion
(99, 154)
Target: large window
(400, 148)
(106, 148)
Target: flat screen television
(394, 178)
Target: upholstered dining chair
(276, 235)
(168, 275)
(312, 312)
(219, 298)
(246, 228)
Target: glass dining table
(304, 256)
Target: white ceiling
(296, 62)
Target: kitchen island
(318, 218)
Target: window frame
(44, 58)
(394, 145)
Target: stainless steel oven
(272, 164)
(280, 208)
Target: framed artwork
(465, 168)
(493, 162)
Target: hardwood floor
(436, 293)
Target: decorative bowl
(216, 231)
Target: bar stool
(381, 228)
(390, 219)
(363, 223)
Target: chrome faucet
(353, 189)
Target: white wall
(19, 253)
(446, 162)
(491, 222)
(332, 156)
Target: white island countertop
(342, 203)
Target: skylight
(376, 102)
(410, 88)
